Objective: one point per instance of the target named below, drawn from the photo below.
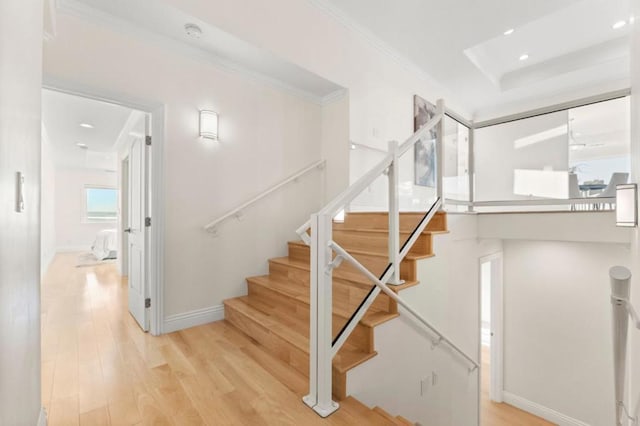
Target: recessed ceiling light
(353, 146)
(82, 145)
(86, 125)
(509, 31)
(524, 57)
(619, 25)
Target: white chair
(610, 190)
(574, 189)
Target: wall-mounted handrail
(317, 165)
(441, 337)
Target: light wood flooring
(494, 414)
(99, 368)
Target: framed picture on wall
(424, 154)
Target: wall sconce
(627, 205)
(209, 124)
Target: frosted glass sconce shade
(627, 205)
(209, 124)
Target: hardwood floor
(99, 368)
(494, 414)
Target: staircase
(276, 310)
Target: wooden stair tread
(263, 314)
(372, 318)
(345, 275)
(386, 415)
(404, 421)
(369, 253)
(362, 411)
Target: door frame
(155, 253)
(124, 215)
(496, 384)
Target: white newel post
(394, 216)
(320, 340)
(440, 152)
(620, 293)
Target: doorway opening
(491, 336)
(95, 205)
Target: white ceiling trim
(375, 42)
(334, 96)
(79, 10)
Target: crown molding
(334, 97)
(82, 11)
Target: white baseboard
(42, 419)
(193, 318)
(541, 411)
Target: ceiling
(157, 19)
(572, 50)
(570, 44)
(62, 116)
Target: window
(101, 204)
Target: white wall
(381, 87)
(448, 297)
(47, 205)
(265, 136)
(335, 146)
(557, 324)
(522, 145)
(582, 227)
(20, 131)
(72, 232)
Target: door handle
(127, 230)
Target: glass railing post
(471, 167)
(321, 336)
(620, 278)
(394, 215)
(439, 151)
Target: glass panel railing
(561, 161)
(455, 173)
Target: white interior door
(137, 241)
